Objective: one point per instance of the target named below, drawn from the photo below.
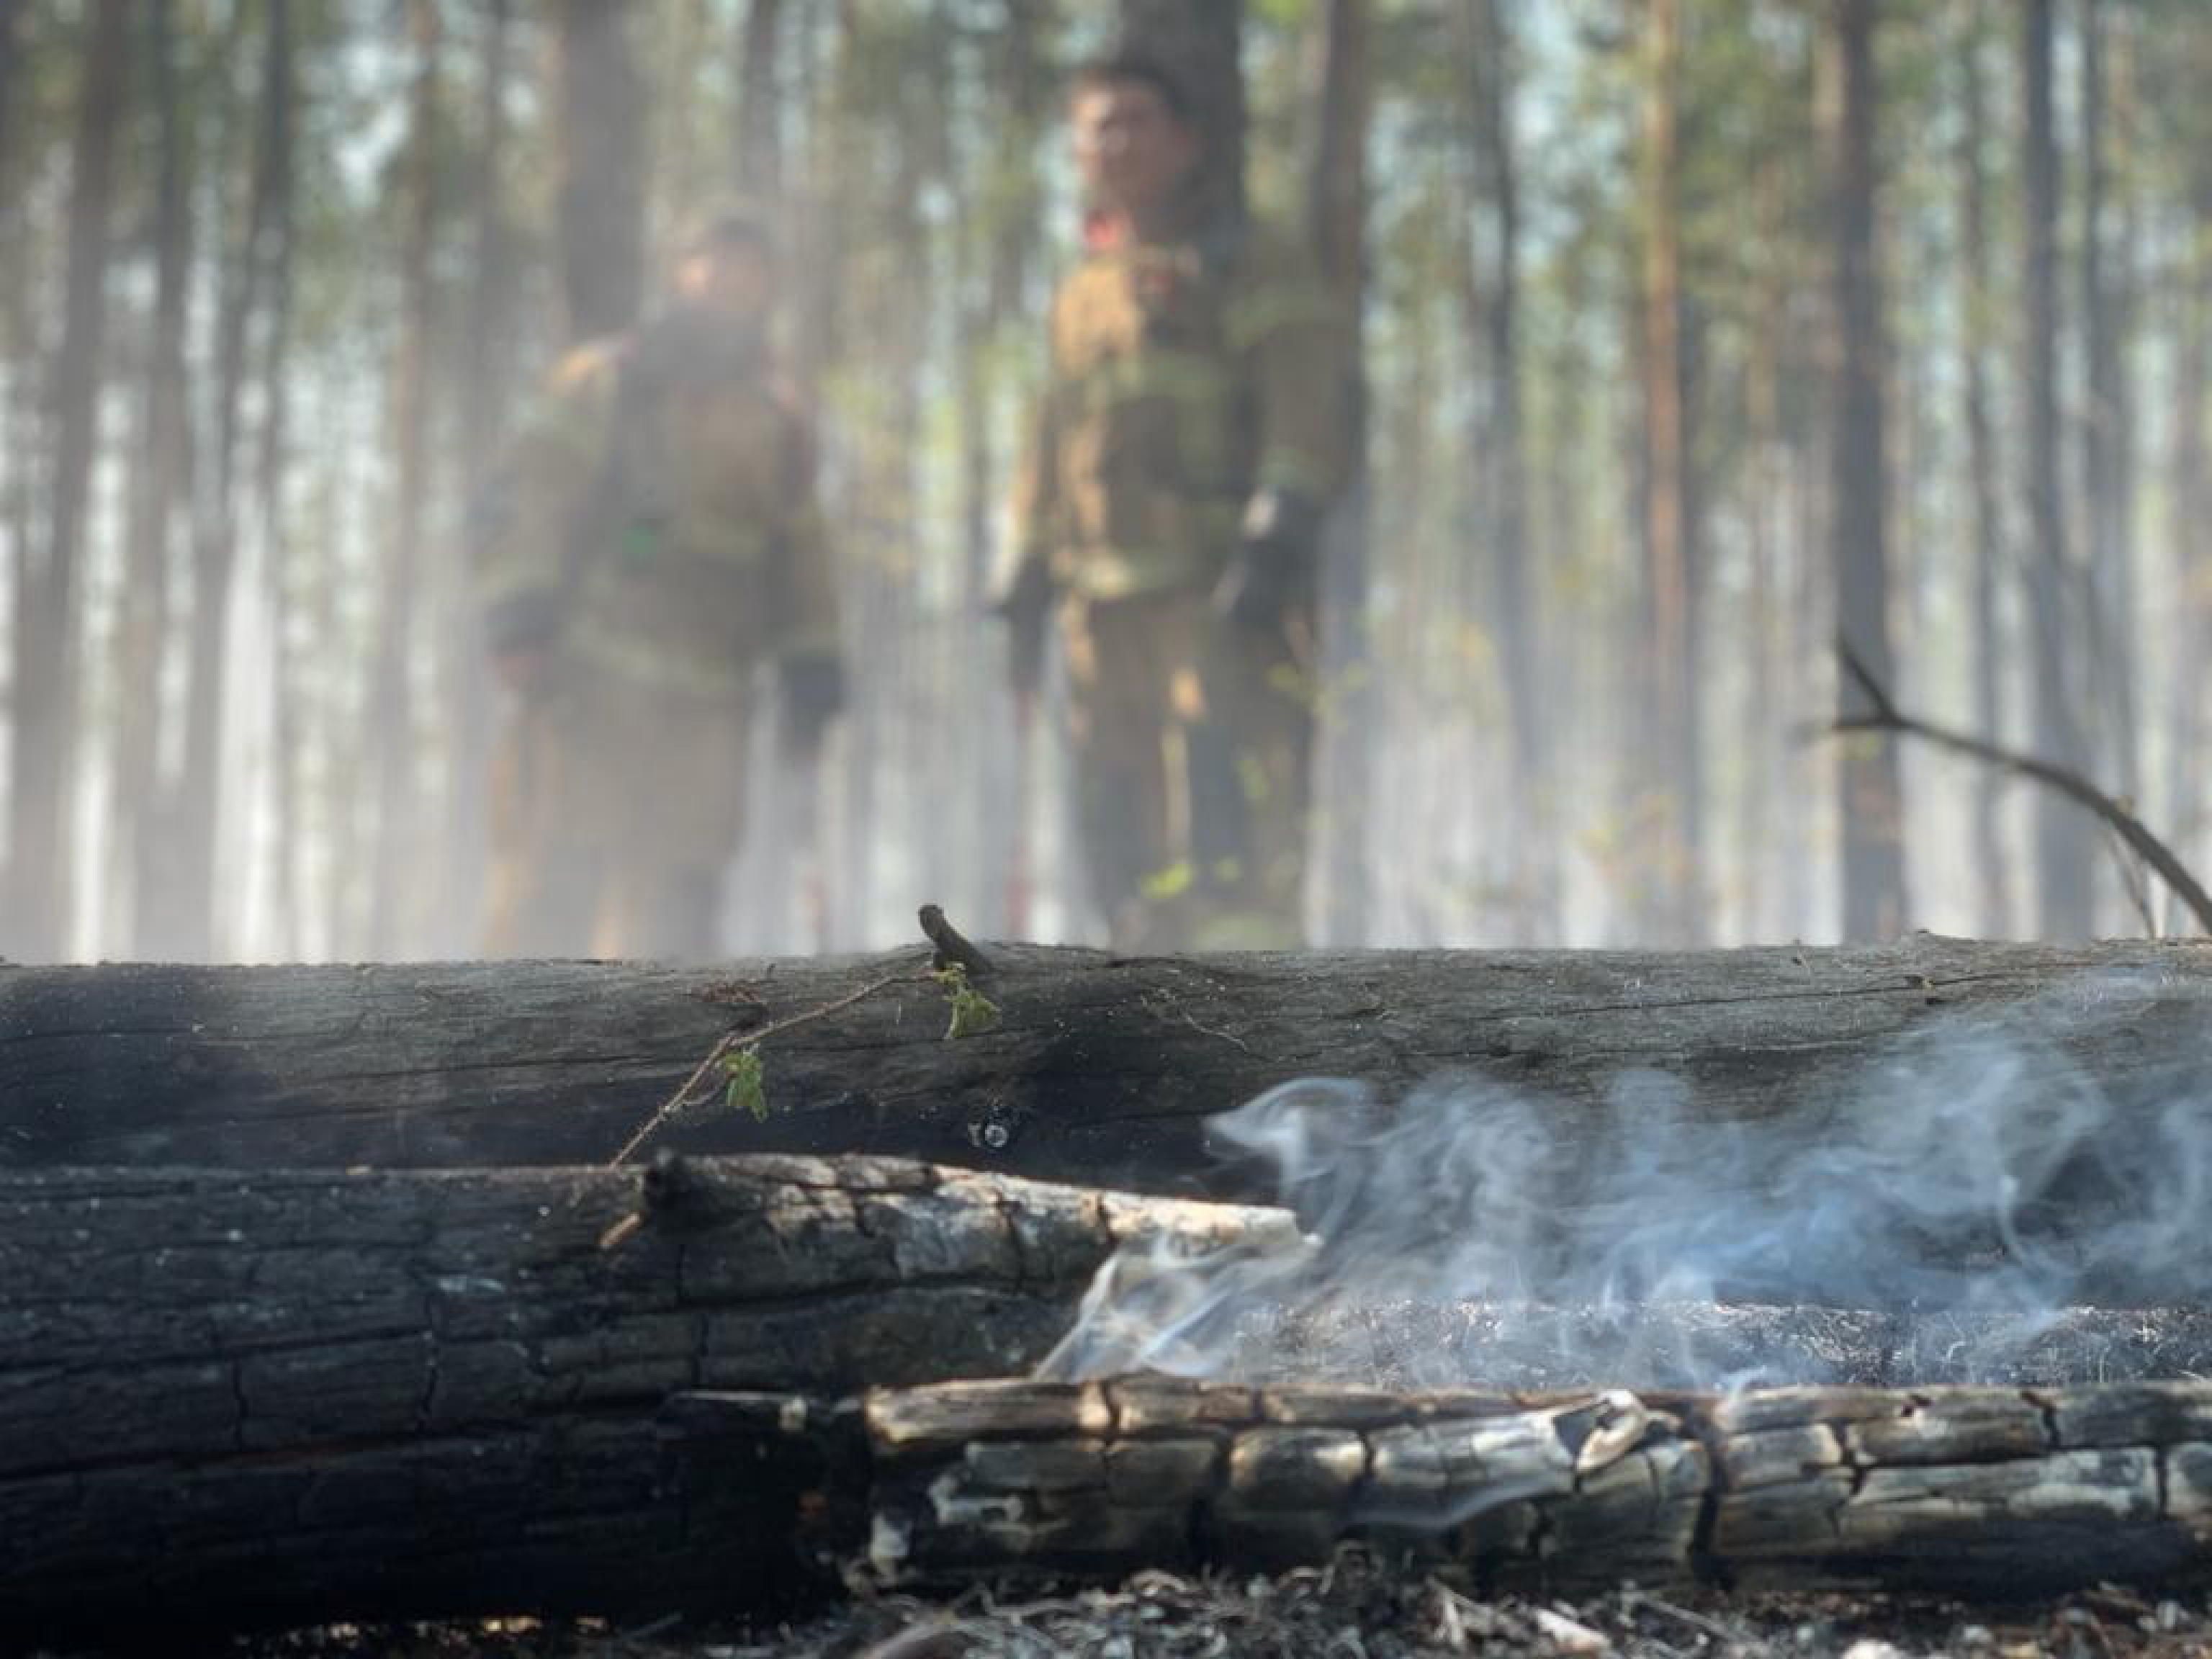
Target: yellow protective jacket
(658, 522)
(1184, 375)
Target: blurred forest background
(1694, 330)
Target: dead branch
(1886, 717)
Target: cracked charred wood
(1987, 1491)
(1101, 1070)
(245, 1398)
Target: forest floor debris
(1356, 1608)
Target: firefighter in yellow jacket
(652, 539)
(1188, 438)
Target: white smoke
(1974, 1172)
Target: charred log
(252, 1398)
(2005, 1493)
(1100, 1070)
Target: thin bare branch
(1886, 717)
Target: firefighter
(651, 539)
(1188, 440)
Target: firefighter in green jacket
(651, 539)
(1188, 438)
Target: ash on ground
(1356, 1607)
(1713, 1345)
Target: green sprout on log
(973, 1012)
(746, 1090)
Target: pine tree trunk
(1501, 467)
(11, 52)
(2065, 849)
(1336, 217)
(1866, 781)
(160, 495)
(45, 711)
(760, 148)
(2105, 484)
(189, 929)
(283, 573)
(1673, 785)
(601, 142)
(2189, 493)
(1990, 559)
(393, 729)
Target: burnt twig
(950, 945)
(687, 1095)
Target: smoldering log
(1994, 1492)
(1712, 1345)
(1101, 1070)
(251, 1397)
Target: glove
(813, 696)
(1277, 547)
(1025, 607)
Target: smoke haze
(1972, 1177)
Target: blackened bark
(1102, 1071)
(296, 1397)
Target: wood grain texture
(1989, 1491)
(270, 1395)
(1103, 1070)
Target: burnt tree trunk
(251, 1400)
(1102, 1069)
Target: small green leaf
(747, 1091)
(972, 1011)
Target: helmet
(725, 222)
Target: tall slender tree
(189, 927)
(280, 574)
(1990, 558)
(601, 141)
(1336, 213)
(2063, 845)
(1674, 779)
(484, 386)
(394, 728)
(760, 145)
(1501, 466)
(1872, 808)
(160, 494)
(46, 650)
(11, 52)
(2105, 484)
